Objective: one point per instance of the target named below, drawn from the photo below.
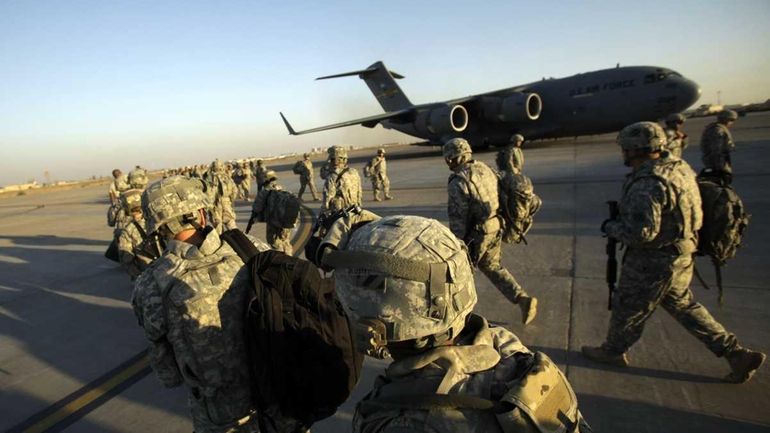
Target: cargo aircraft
(587, 103)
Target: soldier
(223, 195)
(377, 170)
(242, 178)
(660, 214)
(716, 144)
(408, 288)
(473, 217)
(306, 177)
(343, 186)
(191, 304)
(119, 183)
(132, 234)
(277, 237)
(259, 174)
(676, 139)
(511, 159)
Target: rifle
(251, 222)
(612, 261)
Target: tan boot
(599, 354)
(744, 363)
(528, 306)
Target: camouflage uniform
(660, 214)
(223, 193)
(191, 303)
(716, 144)
(242, 178)
(378, 173)
(342, 189)
(306, 179)
(511, 158)
(117, 186)
(277, 237)
(130, 237)
(412, 276)
(259, 174)
(472, 208)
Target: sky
(88, 86)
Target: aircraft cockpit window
(660, 76)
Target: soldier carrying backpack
(724, 222)
(518, 201)
(277, 208)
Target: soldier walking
(223, 194)
(277, 237)
(377, 171)
(191, 303)
(511, 158)
(473, 217)
(660, 214)
(343, 185)
(676, 139)
(259, 174)
(305, 168)
(716, 144)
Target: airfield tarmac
(71, 353)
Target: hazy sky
(86, 86)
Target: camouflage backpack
(518, 206)
(281, 209)
(724, 221)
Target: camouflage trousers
(380, 183)
(244, 189)
(490, 253)
(226, 412)
(303, 183)
(652, 277)
(278, 238)
(223, 216)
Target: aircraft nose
(689, 92)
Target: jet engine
(441, 120)
(515, 107)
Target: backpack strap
(240, 243)
(428, 402)
(140, 228)
(339, 178)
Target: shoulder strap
(240, 243)
(339, 179)
(428, 402)
(140, 228)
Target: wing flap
(369, 122)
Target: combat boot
(388, 197)
(743, 363)
(528, 306)
(600, 354)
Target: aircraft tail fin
(382, 83)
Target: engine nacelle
(516, 107)
(442, 120)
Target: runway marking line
(75, 406)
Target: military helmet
(409, 274)
(131, 200)
(337, 152)
(517, 138)
(647, 136)
(675, 118)
(727, 116)
(217, 166)
(137, 178)
(259, 162)
(270, 175)
(381, 151)
(306, 155)
(174, 202)
(456, 147)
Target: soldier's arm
(126, 254)
(640, 213)
(458, 207)
(148, 307)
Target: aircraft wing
(369, 122)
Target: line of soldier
(437, 344)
